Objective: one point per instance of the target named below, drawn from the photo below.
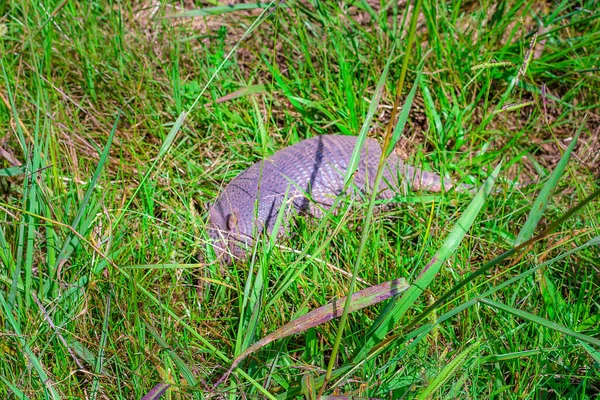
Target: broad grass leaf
(18, 392)
(11, 171)
(157, 391)
(359, 300)
(594, 353)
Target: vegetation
(122, 121)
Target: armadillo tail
(401, 174)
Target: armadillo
(312, 173)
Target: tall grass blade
(594, 353)
(101, 348)
(220, 10)
(362, 136)
(68, 247)
(514, 107)
(250, 307)
(352, 166)
(553, 299)
(255, 285)
(298, 266)
(446, 373)
(398, 307)
(7, 259)
(497, 260)
(48, 385)
(540, 321)
(10, 104)
(161, 153)
(17, 392)
(30, 203)
(11, 171)
(299, 103)
(405, 112)
(186, 372)
(415, 336)
(261, 18)
(541, 202)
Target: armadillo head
(223, 230)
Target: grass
(105, 179)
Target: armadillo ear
(232, 220)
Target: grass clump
(123, 120)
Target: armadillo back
(315, 167)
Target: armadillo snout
(219, 244)
(227, 245)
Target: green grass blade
(11, 171)
(48, 385)
(594, 353)
(6, 258)
(541, 202)
(405, 112)
(420, 333)
(261, 18)
(398, 307)
(31, 204)
(509, 253)
(299, 103)
(263, 136)
(352, 166)
(161, 153)
(67, 247)
(13, 109)
(185, 371)
(220, 10)
(553, 299)
(512, 356)
(250, 308)
(83, 352)
(447, 372)
(540, 321)
(430, 107)
(101, 349)
(298, 266)
(257, 285)
(362, 136)
(17, 392)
